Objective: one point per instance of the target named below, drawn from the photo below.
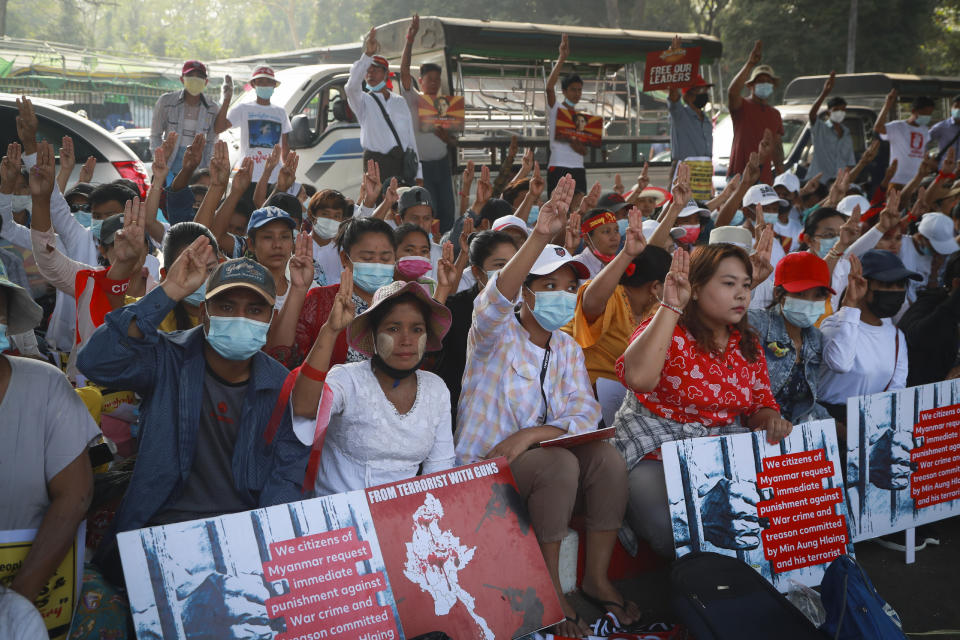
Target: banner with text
(778, 507)
(673, 68)
(57, 599)
(452, 551)
(903, 458)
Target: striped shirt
(501, 383)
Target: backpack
(854, 609)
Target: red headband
(604, 218)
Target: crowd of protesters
(243, 313)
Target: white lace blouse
(369, 442)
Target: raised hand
(288, 172)
(301, 263)
(550, 222)
(537, 183)
(484, 186)
(343, 311)
(760, 258)
(86, 171)
(193, 155)
(220, 165)
(10, 168)
(161, 157)
(128, 243)
(890, 172)
(950, 161)
(189, 270)
(811, 185)
(759, 224)
(67, 158)
(850, 230)
(564, 49)
(467, 178)
(244, 175)
(447, 272)
(465, 232)
(413, 28)
(643, 180)
(618, 184)
(390, 196)
(919, 205)
(676, 286)
(856, 284)
(839, 187)
(226, 90)
(681, 185)
(371, 183)
(676, 43)
(514, 145)
(870, 152)
(590, 200)
(729, 188)
(272, 160)
(891, 99)
(634, 242)
(751, 172)
(828, 85)
(42, 174)
(756, 54)
(572, 237)
(766, 146)
(890, 215)
(526, 162)
(370, 44)
(27, 124)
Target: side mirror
(300, 136)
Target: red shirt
(702, 387)
(749, 121)
(316, 309)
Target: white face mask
(325, 228)
(837, 116)
(22, 203)
(763, 90)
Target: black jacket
(453, 359)
(931, 328)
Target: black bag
(719, 598)
(411, 163)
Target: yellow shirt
(606, 338)
(170, 322)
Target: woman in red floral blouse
(695, 369)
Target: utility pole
(852, 37)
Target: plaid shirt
(501, 383)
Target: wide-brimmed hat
(761, 69)
(661, 195)
(23, 314)
(360, 334)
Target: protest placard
(579, 126)
(701, 178)
(778, 507)
(673, 68)
(58, 597)
(452, 551)
(903, 458)
(440, 112)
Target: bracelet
(676, 310)
(312, 373)
(946, 176)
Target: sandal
(604, 604)
(577, 621)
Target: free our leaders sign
(673, 68)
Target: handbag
(411, 163)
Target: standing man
(753, 114)
(946, 133)
(188, 113)
(832, 144)
(691, 130)
(565, 157)
(908, 138)
(386, 127)
(433, 147)
(262, 124)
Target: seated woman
(695, 369)
(413, 262)
(525, 382)
(863, 351)
(489, 251)
(624, 293)
(791, 344)
(383, 418)
(366, 245)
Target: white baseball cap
(649, 227)
(847, 205)
(788, 181)
(691, 209)
(739, 236)
(510, 221)
(938, 229)
(762, 194)
(553, 257)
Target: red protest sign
(673, 68)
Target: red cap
(802, 270)
(263, 72)
(698, 81)
(380, 61)
(193, 65)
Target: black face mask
(396, 374)
(886, 304)
(700, 100)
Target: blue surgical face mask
(4, 338)
(825, 245)
(370, 276)
(923, 120)
(955, 114)
(95, 228)
(622, 226)
(771, 218)
(926, 250)
(264, 93)
(567, 102)
(737, 219)
(802, 313)
(377, 87)
(237, 338)
(763, 90)
(84, 218)
(533, 215)
(553, 309)
(197, 296)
